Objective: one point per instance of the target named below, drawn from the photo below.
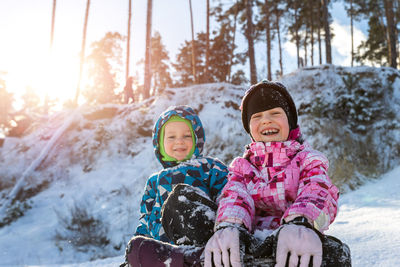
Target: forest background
(227, 49)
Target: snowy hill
(79, 200)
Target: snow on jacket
(208, 174)
(274, 180)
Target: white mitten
(299, 241)
(223, 248)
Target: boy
(178, 141)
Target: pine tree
(53, 19)
(227, 21)
(278, 13)
(220, 60)
(185, 58)
(325, 19)
(351, 13)
(128, 41)
(311, 23)
(103, 62)
(267, 14)
(6, 108)
(269, 23)
(195, 78)
(391, 33)
(305, 18)
(379, 46)
(374, 50)
(293, 13)
(207, 79)
(147, 60)
(243, 11)
(82, 54)
(159, 65)
(250, 41)
(319, 27)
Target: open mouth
(270, 132)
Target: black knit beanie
(268, 95)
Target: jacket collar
(272, 154)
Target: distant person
(166, 217)
(280, 186)
(128, 91)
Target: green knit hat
(165, 156)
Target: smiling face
(270, 125)
(178, 140)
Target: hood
(184, 112)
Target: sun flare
(48, 74)
(30, 63)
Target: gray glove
(223, 248)
(299, 241)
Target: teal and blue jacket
(208, 174)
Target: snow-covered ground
(368, 221)
(101, 162)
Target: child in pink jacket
(280, 184)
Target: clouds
(341, 43)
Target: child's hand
(301, 242)
(223, 248)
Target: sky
(25, 29)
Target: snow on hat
(267, 95)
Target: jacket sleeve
(146, 207)
(236, 204)
(217, 178)
(316, 197)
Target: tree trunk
(325, 15)
(305, 46)
(128, 42)
(352, 32)
(297, 37)
(268, 38)
(233, 41)
(279, 43)
(311, 14)
(53, 18)
(396, 21)
(82, 55)
(193, 47)
(147, 60)
(250, 40)
(319, 33)
(207, 73)
(391, 33)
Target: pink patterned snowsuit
(277, 179)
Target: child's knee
(143, 251)
(187, 216)
(131, 253)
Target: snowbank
(97, 169)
